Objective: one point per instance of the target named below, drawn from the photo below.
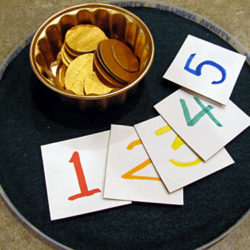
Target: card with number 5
(206, 68)
(74, 173)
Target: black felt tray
(31, 115)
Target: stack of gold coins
(92, 64)
(115, 62)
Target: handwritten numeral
(75, 159)
(198, 69)
(130, 173)
(177, 143)
(205, 111)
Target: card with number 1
(74, 173)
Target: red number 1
(75, 159)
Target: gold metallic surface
(93, 86)
(74, 63)
(116, 22)
(84, 38)
(60, 74)
(125, 57)
(102, 73)
(71, 52)
(77, 72)
(111, 65)
(67, 60)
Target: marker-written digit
(177, 143)
(205, 111)
(185, 164)
(130, 173)
(162, 130)
(75, 159)
(197, 71)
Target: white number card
(206, 68)
(74, 174)
(204, 126)
(130, 174)
(177, 165)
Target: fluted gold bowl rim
(80, 7)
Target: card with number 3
(74, 173)
(175, 162)
(206, 68)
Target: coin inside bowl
(58, 43)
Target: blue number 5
(197, 71)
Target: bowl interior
(116, 22)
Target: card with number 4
(204, 126)
(177, 165)
(130, 174)
(206, 68)
(74, 175)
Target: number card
(204, 126)
(206, 68)
(130, 174)
(177, 165)
(74, 174)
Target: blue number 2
(197, 71)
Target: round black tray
(31, 115)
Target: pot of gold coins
(92, 55)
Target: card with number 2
(130, 174)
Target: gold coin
(84, 38)
(64, 60)
(125, 57)
(61, 75)
(111, 65)
(102, 74)
(77, 72)
(67, 60)
(93, 86)
(70, 52)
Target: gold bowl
(116, 22)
